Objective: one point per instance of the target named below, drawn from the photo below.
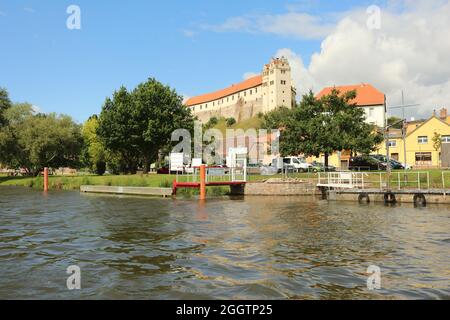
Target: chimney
(443, 114)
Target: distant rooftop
(235, 88)
(366, 94)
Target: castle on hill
(259, 94)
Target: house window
(445, 139)
(251, 92)
(201, 107)
(272, 83)
(392, 144)
(283, 81)
(193, 109)
(256, 90)
(371, 112)
(424, 158)
(283, 71)
(422, 139)
(206, 106)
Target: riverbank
(75, 182)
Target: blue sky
(125, 42)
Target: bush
(230, 122)
(100, 168)
(260, 115)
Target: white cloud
(189, 33)
(410, 53)
(292, 24)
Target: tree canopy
(324, 126)
(5, 104)
(136, 125)
(34, 141)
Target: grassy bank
(74, 183)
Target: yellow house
(420, 142)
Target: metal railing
(376, 180)
(214, 174)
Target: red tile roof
(366, 94)
(247, 84)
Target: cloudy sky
(199, 46)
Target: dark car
(394, 163)
(364, 163)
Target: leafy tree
(137, 125)
(325, 126)
(94, 152)
(230, 122)
(395, 120)
(437, 141)
(276, 119)
(5, 104)
(11, 152)
(35, 141)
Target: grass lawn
(74, 183)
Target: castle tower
(277, 85)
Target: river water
(253, 248)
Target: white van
(297, 163)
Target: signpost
(176, 162)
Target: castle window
(283, 71)
(272, 83)
(283, 81)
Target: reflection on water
(253, 248)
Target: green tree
(326, 125)
(138, 124)
(231, 121)
(11, 152)
(94, 152)
(5, 104)
(395, 120)
(277, 119)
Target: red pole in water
(45, 179)
(202, 182)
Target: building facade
(259, 94)
(372, 100)
(421, 148)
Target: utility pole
(403, 106)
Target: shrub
(100, 168)
(230, 122)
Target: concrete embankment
(277, 187)
(139, 191)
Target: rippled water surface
(253, 248)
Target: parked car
(394, 163)
(320, 167)
(362, 163)
(297, 163)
